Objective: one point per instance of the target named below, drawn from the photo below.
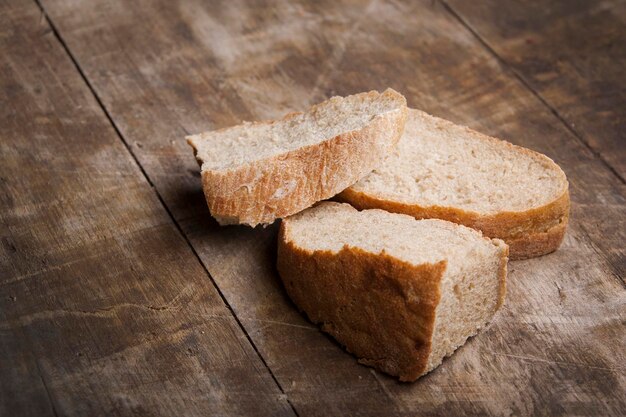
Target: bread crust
(275, 187)
(502, 272)
(403, 329)
(529, 233)
(539, 243)
(341, 291)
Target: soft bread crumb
(442, 170)
(224, 149)
(439, 163)
(396, 234)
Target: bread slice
(445, 171)
(399, 293)
(256, 172)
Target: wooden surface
(105, 309)
(119, 294)
(571, 54)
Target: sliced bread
(445, 171)
(401, 294)
(256, 172)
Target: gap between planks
(534, 92)
(80, 71)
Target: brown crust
(534, 232)
(504, 262)
(396, 339)
(540, 243)
(530, 233)
(252, 194)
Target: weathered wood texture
(104, 309)
(572, 54)
(166, 68)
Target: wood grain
(104, 309)
(163, 69)
(572, 54)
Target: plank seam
(521, 79)
(74, 61)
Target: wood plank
(572, 53)
(104, 309)
(166, 68)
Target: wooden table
(119, 295)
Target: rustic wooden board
(104, 309)
(163, 69)
(572, 54)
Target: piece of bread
(401, 294)
(445, 171)
(256, 172)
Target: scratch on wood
(384, 388)
(105, 312)
(280, 323)
(552, 362)
(562, 296)
(50, 269)
(339, 51)
(172, 302)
